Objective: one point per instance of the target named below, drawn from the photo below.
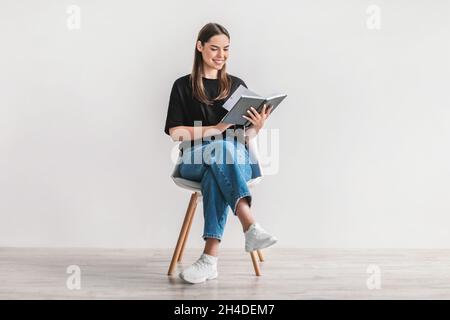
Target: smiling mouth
(219, 61)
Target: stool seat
(196, 186)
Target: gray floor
(29, 273)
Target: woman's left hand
(257, 119)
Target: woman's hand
(222, 126)
(257, 119)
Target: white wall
(364, 134)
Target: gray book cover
(242, 100)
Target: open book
(242, 99)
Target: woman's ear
(199, 46)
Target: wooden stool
(184, 233)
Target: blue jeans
(223, 168)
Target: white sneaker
(205, 268)
(257, 238)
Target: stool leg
(255, 263)
(191, 218)
(182, 236)
(260, 255)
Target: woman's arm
(185, 133)
(250, 133)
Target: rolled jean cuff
(244, 195)
(210, 235)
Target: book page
(241, 90)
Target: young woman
(194, 114)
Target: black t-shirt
(184, 109)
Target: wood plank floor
(40, 273)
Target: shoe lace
(260, 233)
(200, 264)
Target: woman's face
(215, 51)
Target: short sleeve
(175, 114)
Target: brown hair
(198, 90)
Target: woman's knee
(223, 152)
